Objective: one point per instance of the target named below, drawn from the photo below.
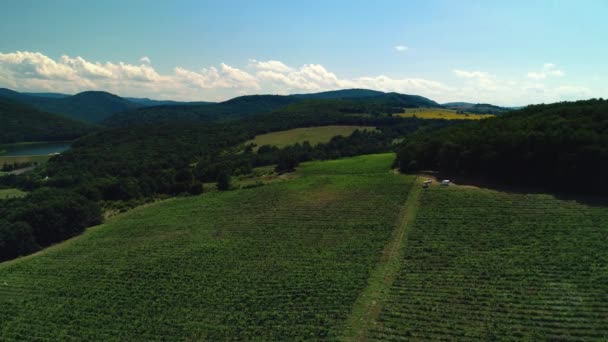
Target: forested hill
(19, 122)
(350, 101)
(209, 112)
(476, 108)
(561, 147)
(89, 106)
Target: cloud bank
(34, 71)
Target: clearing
(439, 113)
(11, 193)
(314, 135)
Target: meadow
(313, 135)
(485, 265)
(11, 193)
(23, 159)
(440, 113)
(284, 261)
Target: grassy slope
(23, 159)
(439, 113)
(11, 193)
(285, 261)
(480, 265)
(314, 135)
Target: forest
(561, 147)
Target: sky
(507, 53)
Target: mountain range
(106, 109)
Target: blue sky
(503, 52)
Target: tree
(16, 239)
(223, 180)
(287, 162)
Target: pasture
(314, 135)
(440, 113)
(285, 261)
(23, 159)
(486, 265)
(11, 193)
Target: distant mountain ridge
(476, 108)
(89, 106)
(353, 101)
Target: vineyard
(483, 265)
(285, 261)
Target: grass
(439, 113)
(285, 261)
(486, 265)
(23, 159)
(314, 135)
(11, 193)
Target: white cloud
(145, 59)
(33, 71)
(401, 48)
(548, 70)
(270, 65)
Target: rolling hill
(208, 112)
(89, 106)
(350, 101)
(19, 122)
(476, 108)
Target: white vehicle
(445, 182)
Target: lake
(34, 149)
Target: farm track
(369, 304)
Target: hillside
(481, 265)
(476, 108)
(146, 102)
(19, 122)
(89, 106)
(552, 147)
(341, 102)
(340, 94)
(229, 110)
(267, 263)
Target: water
(33, 149)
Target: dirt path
(370, 302)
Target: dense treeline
(19, 122)
(44, 217)
(561, 147)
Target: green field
(285, 261)
(23, 159)
(483, 265)
(439, 113)
(314, 135)
(340, 250)
(11, 193)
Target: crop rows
(483, 265)
(281, 262)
